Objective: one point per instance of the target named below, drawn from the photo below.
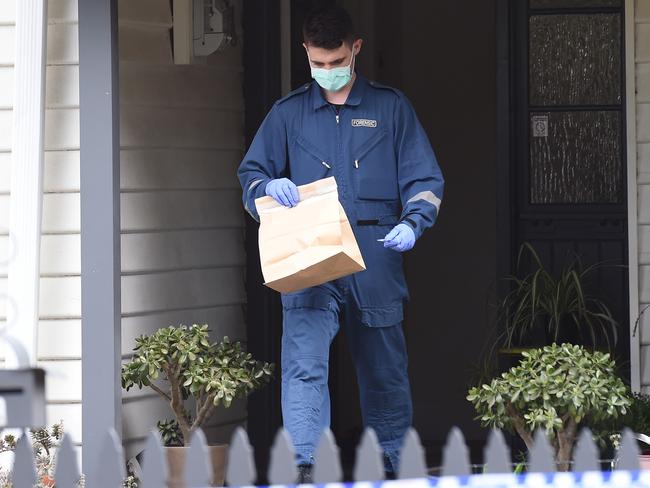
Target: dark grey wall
(449, 73)
(442, 55)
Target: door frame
(632, 198)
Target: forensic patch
(364, 123)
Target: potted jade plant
(554, 388)
(194, 375)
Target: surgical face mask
(332, 79)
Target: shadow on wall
(182, 131)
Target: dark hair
(328, 27)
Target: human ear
(307, 53)
(356, 46)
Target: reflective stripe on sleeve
(252, 186)
(427, 196)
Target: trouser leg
(381, 361)
(309, 326)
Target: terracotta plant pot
(176, 464)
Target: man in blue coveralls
(368, 137)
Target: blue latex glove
(283, 191)
(401, 238)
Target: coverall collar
(354, 98)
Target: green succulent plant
(171, 433)
(180, 362)
(553, 388)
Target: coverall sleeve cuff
(412, 221)
(258, 191)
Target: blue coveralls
(386, 173)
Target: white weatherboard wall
(642, 58)
(59, 342)
(182, 221)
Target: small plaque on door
(540, 125)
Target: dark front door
(262, 79)
(568, 169)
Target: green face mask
(332, 79)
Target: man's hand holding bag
(308, 244)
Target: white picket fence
(368, 470)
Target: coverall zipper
(313, 154)
(337, 114)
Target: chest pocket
(375, 171)
(307, 162)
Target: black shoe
(390, 475)
(304, 474)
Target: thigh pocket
(381, 289)
(310, 322)
(385, 316)
(292, 301)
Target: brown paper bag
(309, 244)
